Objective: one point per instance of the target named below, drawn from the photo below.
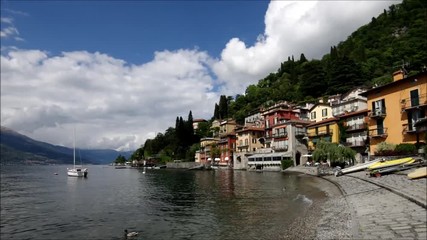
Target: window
(413, 118)
(324, 112)
(378, 107)
(313, 115)
(415, 100)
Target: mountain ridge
(17, 148)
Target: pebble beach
(363, 207)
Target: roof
(393, 84)
(319, 104)
(245, 129)
(199, 120)
(350, 114)
(332, 119)
(275, 154)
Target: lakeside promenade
(387, 207)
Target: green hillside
(396, 38)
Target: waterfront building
(349, 102)
(326, 130)
(274, 117)
(356, 132)
(204, 155)
(196, 123)
(320, 112)
(226, 143)
(247, 143)
(397, 111)
(297, 140)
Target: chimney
(398, 75)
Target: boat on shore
(355, 168)
(418, 173)
(390, 163)
(397, 168)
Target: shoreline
(362, 207)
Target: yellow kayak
(418, 173)
(390, 163)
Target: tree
(336, 154)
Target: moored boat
(418, 173)
(355, 168)
(390, 163)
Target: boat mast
(74, 148)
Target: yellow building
(396, 109)
(320, 112)
(326, 130)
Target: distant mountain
(20, 149)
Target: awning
(217, 159)
(276, 154)
(226, 158)
(209, 159)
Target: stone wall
(181, 165)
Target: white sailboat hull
(77, 172)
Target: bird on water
(130, 234)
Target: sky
(120, 72)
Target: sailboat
(76, 171)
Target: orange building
(397, 111)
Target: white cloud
(111, 104)
(114, 104)
(8, 30)
(292, 28)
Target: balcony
(378, 133)
(300, 133)
(356, 127)
(280, 135)
(320, 133)
(378, 113)
(280, 149)
(355, 143)
(243, 146)
(409, 129)
(409, 103)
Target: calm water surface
(159, 204)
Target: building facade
(396, 111)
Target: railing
(320, 133)
(359, 126)
(408, 129)
(300, 133)
(280, 149)
(378, 132)
(379, 112)
(355, 143)
(277, 135)
(407, 103)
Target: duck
(130, 234)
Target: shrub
(287, 163)
(405, 149)
(385, 149)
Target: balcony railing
(378, 132)
(280, 149)
(408, 103)
(353, 127)
(300, 133)
(355, 143)
(378, 113)
(409, 129)
(320, 133)
(279, 135)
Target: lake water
(159, 204)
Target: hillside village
(362, 119)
